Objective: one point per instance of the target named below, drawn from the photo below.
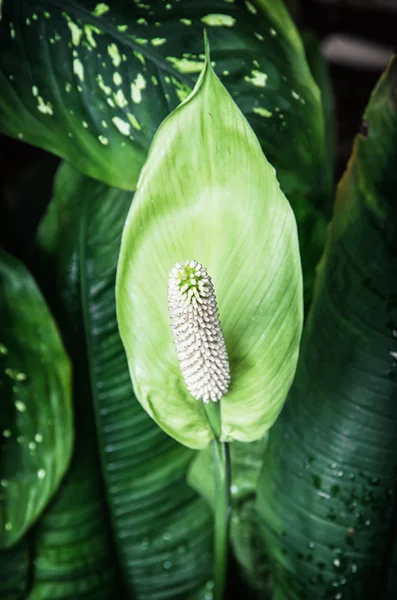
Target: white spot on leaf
(114, 54)
(257, 78)
(89, 31)
(136, 88)
(140, 57)
(262, 112)
(134, 122)
(218, 20)
(122, 126)
(120, 99)
(100, 9)
(118, 80)
(105, 88)
(185, 65)
(78, 69)
(158, 41)
(76, 32)
(44, 107)
(20, 406)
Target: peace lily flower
(199, 341)
(207, 197)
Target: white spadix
(197, 332)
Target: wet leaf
(326, 495)
(35, 409)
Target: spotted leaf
(92, 81)
(35, 409)
(230, 215)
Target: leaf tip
(207, 48)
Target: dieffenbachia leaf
(92, 81)
(162, 529)
(35, 408)
(327, 495)
(207, 193)
(246, 462)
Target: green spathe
(208, 193)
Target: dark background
(341, 25)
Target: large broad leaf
(14, 569)
(35, 407)
(327, 489)
(92, 81)
(73, 550)
(163, 530)
(207, 193)
(246, 461)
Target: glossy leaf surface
(327, 490)
(35, 408)
(207, 193)
(162, 529)
(73, 548)
(92, 81)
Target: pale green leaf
(208, 193)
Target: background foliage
(132, 517)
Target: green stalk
(222, 473)
(222, 514)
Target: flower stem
(222, 514)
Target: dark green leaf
(74, 553)
(163, 530)
(322, 194)
(92, 81)
(14, 569)
(74, 557)
(35, 409)
(311, 232)
(327, 490)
